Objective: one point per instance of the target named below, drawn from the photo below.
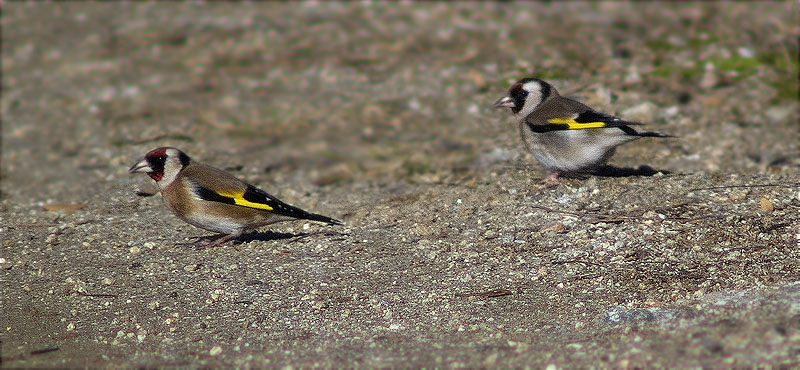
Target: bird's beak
(505, 101)
(141, 166)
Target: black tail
(321, 218)
(292, 211)
(651, 134)
(256, 195)
(632, 132)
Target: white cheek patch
(533, 87)
(533, 99)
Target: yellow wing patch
(238, 199)
(574, 125)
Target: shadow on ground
(613, 171)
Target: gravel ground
(452, 253)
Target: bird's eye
(523, 93)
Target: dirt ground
(380, 114)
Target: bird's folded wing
(214, 185)
(588, 119)
(253, 197)
(249, 198)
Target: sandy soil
(452, 253)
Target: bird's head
(162, 165)
(525, 95)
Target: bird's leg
(552, 179)
(224, 239)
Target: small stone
(555, 227)
(134, 250)
(745, 52)
(737, 196)
(779, 113)
(670, 112)
(766, 205)
(644, 112)
(215, 351)
(710, 78)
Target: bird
(213, 199)
(565, 136)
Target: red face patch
(156, 175)
(155, 153)
(156, 159)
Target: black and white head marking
(165, 164)
(527, 94)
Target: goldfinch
(213, 199)
(565, 136)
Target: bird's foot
(551, 180)
(208, 242)
(224, 239)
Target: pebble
(709, 78)
(644, 112)
(766, 205)
(745, 52)
(670, 112)
(779, 113)
(555, 227)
